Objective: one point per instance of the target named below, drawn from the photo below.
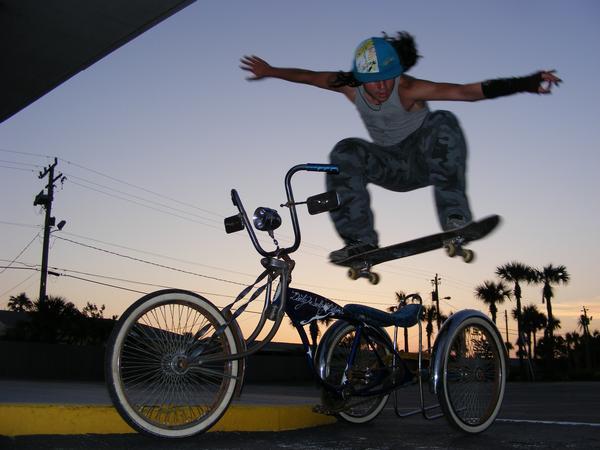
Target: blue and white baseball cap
(375, 59)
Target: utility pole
(436, 299)
(45, 199)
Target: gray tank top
(388, 123)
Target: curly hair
(406, 48)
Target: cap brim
(378, 76)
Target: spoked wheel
(473, 375)
(367, 367)
(154, 365)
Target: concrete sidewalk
(54, 407)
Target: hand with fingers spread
(258, 67)
(547, 81)
(540, 82)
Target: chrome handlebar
(241, 220)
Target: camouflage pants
(434, 155)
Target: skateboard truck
(364, 271)
(454, 247)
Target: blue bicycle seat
(405, 317)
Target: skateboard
(452, 241)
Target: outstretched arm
(539, 83)
(260, 69)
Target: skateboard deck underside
(471, 232)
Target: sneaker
(454, 222)
(454, 244)
(353, 248)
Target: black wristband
(508, 86)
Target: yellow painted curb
(29, 419)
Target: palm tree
(428, 315)
(550, 275)
(516, 272)
(57, 320)
(491, 294)
(20, 303)
(401, 300)
(533, 321)
(584, 325)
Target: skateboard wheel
(374, 278)
(468, 256)
(353, 273)
(451, 250)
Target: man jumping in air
(412, 146)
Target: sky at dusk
(153, 137)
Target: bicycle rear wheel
(367, 365)
(156, 384)
(473, 375)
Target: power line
(112, 178)
(20, 253)
(20, 283)
(156, 254)
(126, 183)
(221, 216)
(148, 206)
(104, 284)
(25, 225)
(20, 163)
(162, 205)
(220, 227)
(24, 153)
(20, 262)
(339, 300)
(68, 275)
(142, 292)
(163, 266)
(140, 283)
(17, 168)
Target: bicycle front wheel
(473, 375)
(368, 365)
(154, 369)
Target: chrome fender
(442, 341)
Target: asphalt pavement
(533, 415)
